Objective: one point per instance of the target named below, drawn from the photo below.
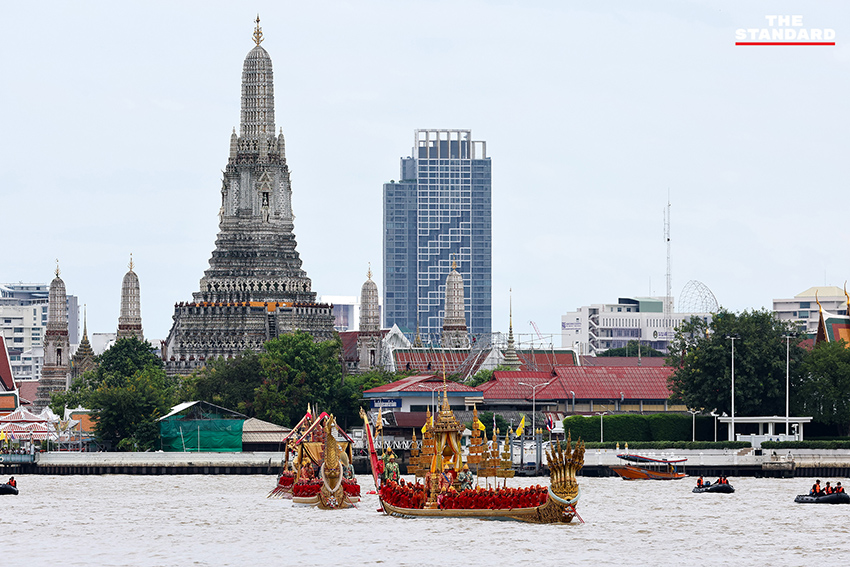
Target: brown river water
(227, 520)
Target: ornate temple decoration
(55, 374)
(254, 288)
(130, 319)
(83, 360)
(455, 334)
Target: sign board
(385, 403)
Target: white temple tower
(56, 371)
(369, 334)
(455, 333)
(130, 319)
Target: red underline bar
(784, 43)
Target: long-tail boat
(441, 496)
(647, 468)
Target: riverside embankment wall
(798, 462)
(149, 463)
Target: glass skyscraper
(437, 215)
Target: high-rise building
(437, 214)
(254, 289)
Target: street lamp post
(533, 400)
(434, 389)
(788, 337)
(601, 436)
(732, 338)
(694, 430)
(573, 394)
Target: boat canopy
(640, 459)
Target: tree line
(767, 353)
(129, 390)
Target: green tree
(127, 410)
(822, 390)
(298, 370)
(127, 393)
(633, 348)
(701, 355)
(230, 383)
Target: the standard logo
(785, 30)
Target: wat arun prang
(254, 289)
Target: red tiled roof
(609, 382)
(428, 360)
(505, 385)
(349, 345)
(6, 380)
(421, 383)
(545, 361)
(654, 361)
(410, 418)
(27, 389)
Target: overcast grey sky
(116, 120)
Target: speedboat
(8, 489)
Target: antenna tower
(668, 300)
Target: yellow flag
(2, 435)
(427, 423)
(521, 427)
(480, 425)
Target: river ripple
(226, 520)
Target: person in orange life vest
(815, 491)
(700, 482)
(827, 489)
(12, 482)
(839, 489)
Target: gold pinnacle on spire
(258, 32)
(369, 273)
(847, 296)
(57, 268)
(130, 265)
(454, 263)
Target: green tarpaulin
(217, 435)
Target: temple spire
(258, 32)
(511, 358)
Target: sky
(116, 122)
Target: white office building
(596, 328)
(802, 309)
